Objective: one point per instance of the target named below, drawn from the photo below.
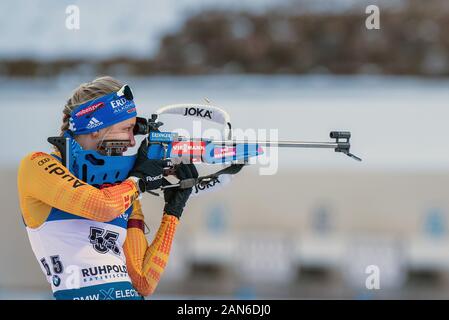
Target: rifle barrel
(280, 144)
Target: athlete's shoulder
(39, 155)
(48, 164)
(30, 165)
(35, 154)
(36, 160)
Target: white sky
(30, 28)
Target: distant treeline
(411, 41)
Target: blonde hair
(88, 91)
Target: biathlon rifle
(169, 145)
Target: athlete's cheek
(132, 140)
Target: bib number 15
(57, 266)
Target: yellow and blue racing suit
(90, 241)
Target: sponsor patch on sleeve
(37, 154)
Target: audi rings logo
(43, 161)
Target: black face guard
(113, 147)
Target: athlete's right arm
(42, 179)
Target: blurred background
(304, 67)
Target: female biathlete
(86, 232)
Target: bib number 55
(104, 240)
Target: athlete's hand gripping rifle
(169, 145)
